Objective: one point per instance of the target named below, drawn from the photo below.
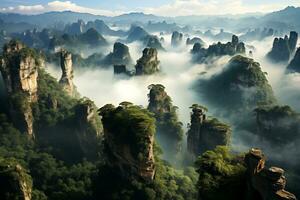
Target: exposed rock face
(269, 183)
(148, 63)
(19, 68)
(205, 134)
(240, 86)
(230, 48)
(120, 69)
(119, 56)
(89, 127)
(66, 79)
(293, 39)
(15, 183)
(169, 129)
(294, 65)
(283, 48)
(128, 144)
(176, 39)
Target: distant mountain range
(285, 19)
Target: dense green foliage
(221, 175)
(278, 125)
(240, 86)
(51, 178)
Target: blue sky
(160, 7)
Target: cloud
(215, 7)
(57, 6)
(174, 8)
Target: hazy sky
(159, 7)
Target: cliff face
(19, 68)
(168, 127)
(205, 134)
(129, 141)
(148, 63)
(283, 48)
(119, 56)
(15, 183)
(153, 42)
(89, 128)
(66, 79)
(269, 183)
(294, 65)
(176, 39)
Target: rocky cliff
(204, 133)
(66, 80)
(15, 183)
(129, 141)
(89, 129)
(176, 39)
(294, 65)
(234, 47)
(168, 127)
(119, 56)
(148, 63)
(153, 42)
(19, 68)
(264, 183)
(283, 48)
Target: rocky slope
(148, 64)
(19, 67)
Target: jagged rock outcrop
(129, 141)
(19, 68)
(168, 127)
(119, 56)
(264, 183)
(92, 38)
(293, 39)
(66, 80)
(148, 63)
(195, 40)
(204, 133)
(153, 42)
(75, 28)
(283, 48)
(89, 129)
(15, 183)
(242, 85)
(136, 33)
(201, 54)
(294, 65)
(176, 39)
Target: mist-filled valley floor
(140, 106)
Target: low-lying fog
(178, 76)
